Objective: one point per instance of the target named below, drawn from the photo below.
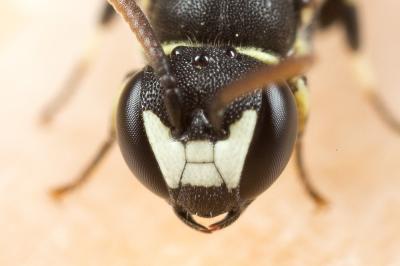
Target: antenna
(253, 81)
(141, 27)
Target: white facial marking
(201, 163)
(201, 174)
(169, 153)
(199, 152)
(231, 153)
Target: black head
(202, 170)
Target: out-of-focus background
(353, 157)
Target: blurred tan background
(353, 158)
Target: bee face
(204, 171)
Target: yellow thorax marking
(256, 53)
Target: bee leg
(304, 176)
(301, 93)
(345, 12)
(368, 84)
(79, 70)
(85, 175)
(365, 75)
(107, 15)
(187, 218)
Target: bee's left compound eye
(272, 143)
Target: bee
(214, 118)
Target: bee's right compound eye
(132, 138)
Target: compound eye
(231, 52)
(272, 143)
(133, 139)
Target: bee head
(203, 170)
